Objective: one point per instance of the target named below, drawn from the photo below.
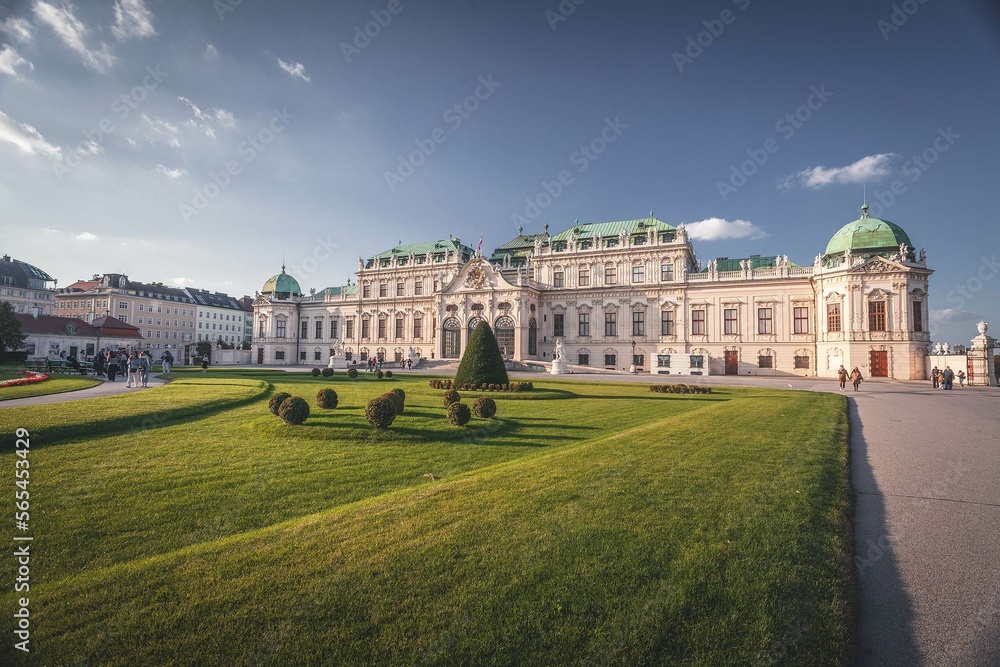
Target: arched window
(451, 341)
(503, 329)
(473, 323)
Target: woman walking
(112, 366)
(856, 378)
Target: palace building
(618, 294)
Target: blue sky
(199, 143)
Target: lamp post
(633, 358)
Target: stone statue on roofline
(818, 262)
(848, 257)
(904, 252)
(923, 255)
(682, 235)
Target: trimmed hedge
(679, 389)
(326, 398)
(352, 373)
(388, 374)
(276, 400)
(459, 414)
(380, 412)
(294, 410)
(451, 396)
(378, 375)
(327, 372)
(510, 386)
(484, 407)
(396, 400)
(482, 362)
(315, 372)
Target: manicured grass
(56, 384)
(586, 524)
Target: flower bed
(28, 377)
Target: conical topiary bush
(482, 361)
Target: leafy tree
(11, 335)
(204, 349)
(482, 361)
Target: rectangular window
(381, 327)
(280, 329)
(123, 318)
(158, 333)
(729, 324)
(349, 328)
(610, 275)
(833, 317)
(765, 323)
(663, 361)
(918, 316)
(584, 278)
(639, 274)
(639, 323)
(667, 323)
(584, 360)
(400, 323)
(610, 359)
(366, 292)
(279, 355)
(418, 287)
(400, 287)
(611, 324)
(698, 322)
(383, 289)
(140, 307)
(418, 327)
(802, 362)
(122, 305)
(558, 324)
(765, 361)
(302, 355)
(303, 330)
(584, 324)
(316, 354)
(333, 329)
(558, 279)
(319, 329)
(876, 316)
(800, 320)
(366, 328)
(667, 272)
(697, 361)
(140, 320)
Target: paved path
(925, 465)
(104, 389)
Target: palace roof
(420, 250)
(867, 234)
(606, 229)
(281, 283)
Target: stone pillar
(980, 357)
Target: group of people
(854, 376)
(946, 379)
(375, 364)
(135, 366)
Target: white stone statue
(538, 245)
(557, 351)
(623, 237)
(848, 257)
(818, 262)
(923, 255)
(682, 235)
(904, 251)
(983, 327)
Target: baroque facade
(620, 295)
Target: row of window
(611, 275)
(876, 316)
(383, 289)
(123, 305)
(765, 322)
(694, 360)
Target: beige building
(621, 295)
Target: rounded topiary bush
(451, 396)
(380, 412)
(315, 372)
(459, 414)
(378, 375)
(397, 401)
(352, 373)
(400, 392)
(388, 374)
(327, 372)
(276, 401)
(326, 398)
(294, 410)
(484, 407)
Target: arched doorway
(473, 323)
(451, 341)
(532, 337)
(503, 328)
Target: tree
(482, 361)
(204, 349)
(11, 335)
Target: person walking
(167, 360)
(133, 370)
(112, 366)
(842, 375)
(961, 379)
(949, 378)
(935, 377)
(856, 378)
(145, 365)
(204, 364)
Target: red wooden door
(879, 363)
(732, 362)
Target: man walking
(167, 360)
(842, 375)
(949, 377)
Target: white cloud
(182, 282)
(954, 315)
(159, 124)
(209, 119)
(132, 19)
(73, 33)
(19, 29)
(717, 229)
(175, 142)
(170, 173)
(26, 138)
(86, 236)
(295, 69)
(10, 59)
(89, 148)
(869, 168)
(49, 230)
(211, 52)
(132, 142)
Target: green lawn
(586, 524)
(56, 384)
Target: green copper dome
(867, 235)
(282, 284)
